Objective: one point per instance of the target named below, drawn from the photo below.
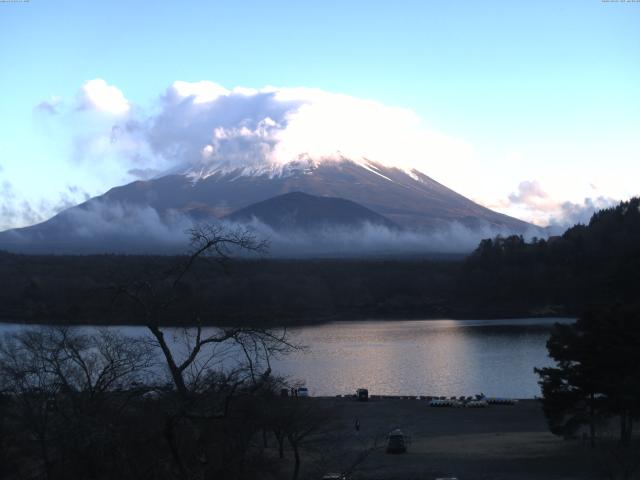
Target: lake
(416, 357)
(424, 357)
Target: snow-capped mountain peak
(204, 170)
(304, 164)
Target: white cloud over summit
(200, 92)
(204, 126)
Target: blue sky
(546, 95)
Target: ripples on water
(436, 357)
(422, 357)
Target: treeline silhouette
(80, 403)
(175, 403)
(598, 263)
(504, 277)
(80, 290)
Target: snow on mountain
(144, 212)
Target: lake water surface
(417, 357)
(428, 357)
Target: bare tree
(61, 383)
(305, 424)
(153, 297)
(31, 388)
(82, 395)
(208, 366)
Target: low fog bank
(371, 240)
(98, 227)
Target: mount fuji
(152, 215)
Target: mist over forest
(502, 277)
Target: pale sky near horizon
(540, 100)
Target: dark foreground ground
(497, 442)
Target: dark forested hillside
(594, 263)
(503, 277)
(81, 289)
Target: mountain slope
(301, 211)
(142, 215)
(412, 200)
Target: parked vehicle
(303, 392)
(396, 442)
(362, 394)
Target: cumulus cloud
(529, 192)
(204, 127)
(532, 201)
(97, 94)
(572, 213)
(199, 92)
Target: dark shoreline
(272, 292)
(293, 324)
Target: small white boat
(477, 404)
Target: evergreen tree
(597, 372)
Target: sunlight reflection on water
(436, 357)
(413, 357)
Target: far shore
(289, 324)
